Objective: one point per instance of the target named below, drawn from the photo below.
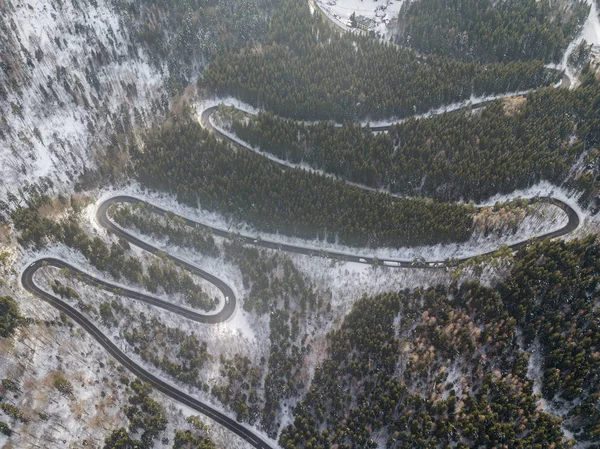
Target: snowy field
(591, 33)
(381, 13)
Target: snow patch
(591, 33)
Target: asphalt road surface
(230, 301)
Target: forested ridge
(506, 146)
(450, 372)
(306, 70)
(187, 160)
(487, 31)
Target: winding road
(102, 217)
(207, 122)
(156, 382)
(170, 390)
(205, 119)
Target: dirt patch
(53, 208)
(499, 220)
(57, 207)
(105, 418)
(258, 49)
(513, 105)
(5, 234)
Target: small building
(364, 23)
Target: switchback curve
(103, 219)
(159, 384)
(230, 303)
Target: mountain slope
(70, 77)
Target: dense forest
(488, 31)
(508, 145)
(450, 372)
(187, 160)
(307, 70)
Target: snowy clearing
(375, 15)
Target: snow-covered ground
(48, 138)
(380, 13)
(247, 334)
(33, 356)
(73, 80)
(39, 352)
(591, 28)
(591, 33)
(225, 339)
(243, 334)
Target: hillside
(75, 74)
(250, 224)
